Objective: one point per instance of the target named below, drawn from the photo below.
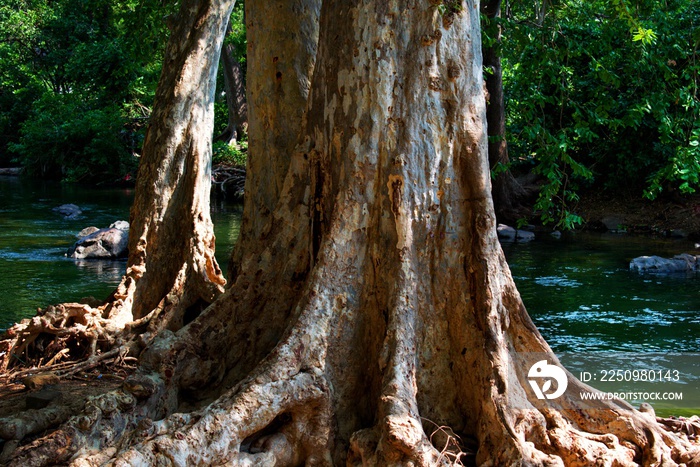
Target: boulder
(523, 236)
(107, 243)
(507, 233)
(87, 231)
(69, 211)
(121, 225)
(11, 171)
(659, 265)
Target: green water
(583, 297)
(600, 317)
(578, 289)
(34, 271)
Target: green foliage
(236, 38)
(77, 81)
(603, 95)
(224, 153)
(78, 78)
(66, 140)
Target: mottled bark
(171, 241)
(507, 193)
(236, 103)
(282, 39)
(378, 306)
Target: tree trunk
(171, 241)
(507, 192)
(376, 321)
(235, 95)
(171, 272)
(282, 39)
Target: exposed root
(450, 444)
(688, 426)
(229, 179)
(69, 330)
(33, 421)
(106, 417)
(226, 429)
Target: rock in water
(507, 233)
(121, 225)
(659, 265)
(108, 243)
(69, 211)
(87, 231)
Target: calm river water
(578, 289)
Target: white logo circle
(546, 373)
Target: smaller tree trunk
(171, 272)
(234, 88)
(506, 191)
(171, 241)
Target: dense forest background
(599, 95)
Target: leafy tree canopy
(603, 94)
(78, 78)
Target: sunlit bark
(374, 321)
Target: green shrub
(599, 96)
(65, 139)
(223, 153)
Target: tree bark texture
(171, 240)
(282, 39)
(507, 193)
(376, 321)
(234, 88)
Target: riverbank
(677, 216)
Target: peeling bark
(376, 305)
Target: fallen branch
(119, 353)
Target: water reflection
(106, 270)
(34, 240)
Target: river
(594, 312)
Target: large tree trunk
(375, 322)
(507, 193)
(235, 95)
